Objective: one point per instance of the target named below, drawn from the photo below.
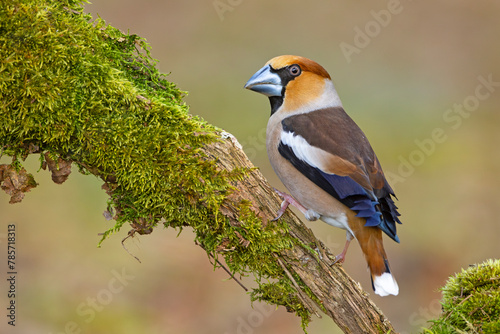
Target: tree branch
(80, 92)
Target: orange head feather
(308, 87)
(307, 65)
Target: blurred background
(421, 79)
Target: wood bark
(342, 298)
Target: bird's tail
(384, 284)
(370, 240)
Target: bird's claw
(339, 259)
(310, 215)
(284, 204)
(281, 211)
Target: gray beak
(265, 82)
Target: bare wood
(342, 298)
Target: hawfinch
(325, 161)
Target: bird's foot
(281, 211)
(287, 200)
(341, 257)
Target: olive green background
(415, 67)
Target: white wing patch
(313, 156)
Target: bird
(326, 162)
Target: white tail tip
(385, 285)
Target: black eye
(294, 70)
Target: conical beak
(265, 82)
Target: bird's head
(294, 84)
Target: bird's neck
(328, 98)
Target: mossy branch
(471, 301)
(79, 92)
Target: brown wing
(345, 149)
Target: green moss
(77, 91)
(88, 93)
(257, 243)
(281, 293)
(471, 301)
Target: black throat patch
(276, 102)
(286, 77)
